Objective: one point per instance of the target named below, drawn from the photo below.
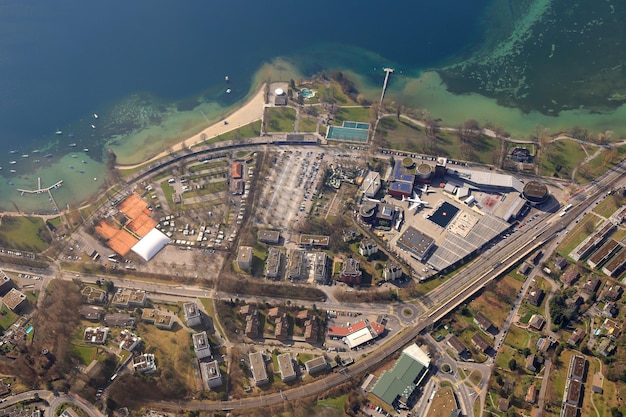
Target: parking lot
(290, 188)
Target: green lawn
(211, 188)
(251, 130)
(352, 114)
(24, 233)
(608, 206)
(577, 235)
(280, 119)
(85, 354)
(307, 124)
(168, 190)
(207, 165)
(517, 338)
(559, 158)
(7, 317)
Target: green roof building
(397, 386)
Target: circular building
(408, 162)
(367, 211)
(424, 171)
(279, 92)
(535, 192)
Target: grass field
(7, 317)
(608, 206)
(23, 233)
(307, 124)
(206, 166)
(517, 338)
(251, 130)
(352, 114)
(495, 301)
(280, 119)
(559, 158)
(443, 403)
(578, 234)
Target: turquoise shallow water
(154, 71)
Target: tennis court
(349, 132)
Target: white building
(145, 364)
(368, 247)
(371, 184)
(285, 366)
(201, 345)
(192, 314)
(212, 374)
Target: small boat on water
(74, 156)
(13, 171)
(83, 161)
(72, 145)
(71, 166)
(48, 155)
(25, 155)
(71, 135)
(227, 78)
(14, 151)
(13, 162)
(95, 115)
(93, 126)
(36, 161)
(36, 151)
(228, 90)
(58, 132)
(85, 149)
(81, 171)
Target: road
(54, 401)
(439, 302)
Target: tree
(615, 412)
(513, 364)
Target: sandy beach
(250, 112)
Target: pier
(388, 71)
(41, 190)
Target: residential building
(607, 347)
(192, 314)
(613, 293)
(272, 265)
(244, 258)
(570, 276)
(351, 272)
(561, 263)
(5, 283)
(128, 341)
(96, 335)
(531, 363)
(368, 247)
(14, 300)
(606, 251)
(295, 265)
(591, 286)
(252, 324)
(311, 330)
(576, 337)
(320, 268)
(257, 366)
(127, 298)
(145, 364)
(212, 374)
(392, 271)
(91, 313)
(573, 392)
(201, 345)
(597, 383)
(285, 367)
(350, 234)
(610, 310)
(119, 320)
(457, 346)
(484, 323)
(535, 296)
(577, 368)
(246, 310)
(316, 365)
(398, 386)
(310, 241)
(536, 322)
(480, 343)
(93, 295)
(275, 312)
(281, 331)
(271, 237)
(161, 320)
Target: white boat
(228, 90)
(13, 171)
(58, 132)
(85, 149)
(72, 145)
(25, 155)
(13, 162)
(95, 115)
(227, 78)
(93, 127)
(36, 151)
(74, 156)
(36, 161)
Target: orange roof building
(237, 170)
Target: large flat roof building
(192, 314)
(201, 345)
(14, 300)
(272, 265)
(257, 366)
(244, 258)
(371, 184)
(416, 243)
(398, 385)
(212, 374)
(285, 367)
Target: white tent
(151, 244)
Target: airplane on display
(426, 190)
(415, 202)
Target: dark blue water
(62, 61)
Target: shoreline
(247, 113)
